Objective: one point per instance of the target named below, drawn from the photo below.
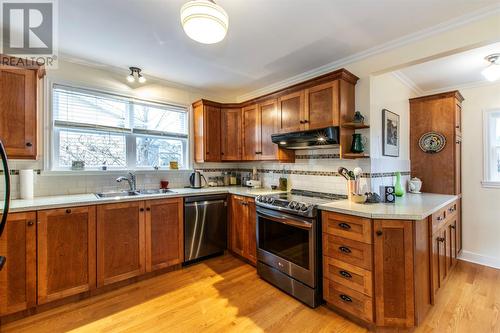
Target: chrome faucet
(131, 181)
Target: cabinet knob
(68, 211)
(453, 226)
(441, 239)
(306, 121)
(148, 209)
(141, 209)
(379, 233)
(301, 121)
(29, 144)
(31, 223)
(345, 298)
(457, 126)
(345, 249)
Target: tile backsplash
(314, 170)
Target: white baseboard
(480, 259)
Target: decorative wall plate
(432, 142)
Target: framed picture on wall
(390, 133)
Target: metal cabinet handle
(141, 209)
(345, 298)
(68, 211)
(306, 121)
(148, 209)
(29, 144)
(301, 121)
(379, 232)
(31, 223)
(344, 226)
(453, 226)
(346, 274)
(451, 210)
(441, 239)
(345, 249)
(440, 218)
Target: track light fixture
(135, 72)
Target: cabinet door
(458, 165)
(459, 226)
(435, 265)
(453, 243)
(18, 276)
(238, 224)
(18, 112)
(120, 242)
(164, 233)
(231, 134)
(442, 256)
(212, 133)
(251, 232)
(268, 124)
(66, 252)
(394, 291)
(291, 112)
(322, 106)
(251, 133)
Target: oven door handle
(288, 221)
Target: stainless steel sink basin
(105, 195)
(119, 194)
(155, 191)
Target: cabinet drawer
(350, 227)
(348, 300)
(347, 250)
(438, 219)
(451, 210)
(348, 275)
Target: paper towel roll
(26, 183)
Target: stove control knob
(270, 200)
(303, 207)
(297, 207)
(292, 205)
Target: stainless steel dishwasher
(205, 226)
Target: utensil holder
(352, 187)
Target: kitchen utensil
(358, 172)
(195, 180)
(344, 173)
(358, 198)
(351, 175)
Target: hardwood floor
(226, 295)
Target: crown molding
(408, 82)
(468, 85)
(399, 42)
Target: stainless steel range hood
(328, 137)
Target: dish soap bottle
(398, 188)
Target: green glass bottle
(398, 188)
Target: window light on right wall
(491, 130)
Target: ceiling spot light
(492, 72)
(135, 72)
(204, 21)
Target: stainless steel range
(289, 242)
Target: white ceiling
(461, 69)
(268, 40)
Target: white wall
(481, 206)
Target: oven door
(287, 243)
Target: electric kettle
(196, 178)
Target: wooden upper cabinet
(268, 126)
(231, 134)
(322, 106)
(440, 172)
(18, 277)
(18, 105)
(120, 241)
(251, 133)
(164, 233)
(207, 132)
(394, 273)
(66, 252)
(291, 112)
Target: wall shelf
(352, 156)
(355, 125)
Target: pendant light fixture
(492, 72)
(204, 21)
(135, 72)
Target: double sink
(117, 194)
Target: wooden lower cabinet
(242, 227)
(120, 241)
(18, 277)
(164, 233)
(393, 273)
(66, 252)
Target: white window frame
(489, 148)
(50, 137)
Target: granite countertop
(409, 207)
(51, 202)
